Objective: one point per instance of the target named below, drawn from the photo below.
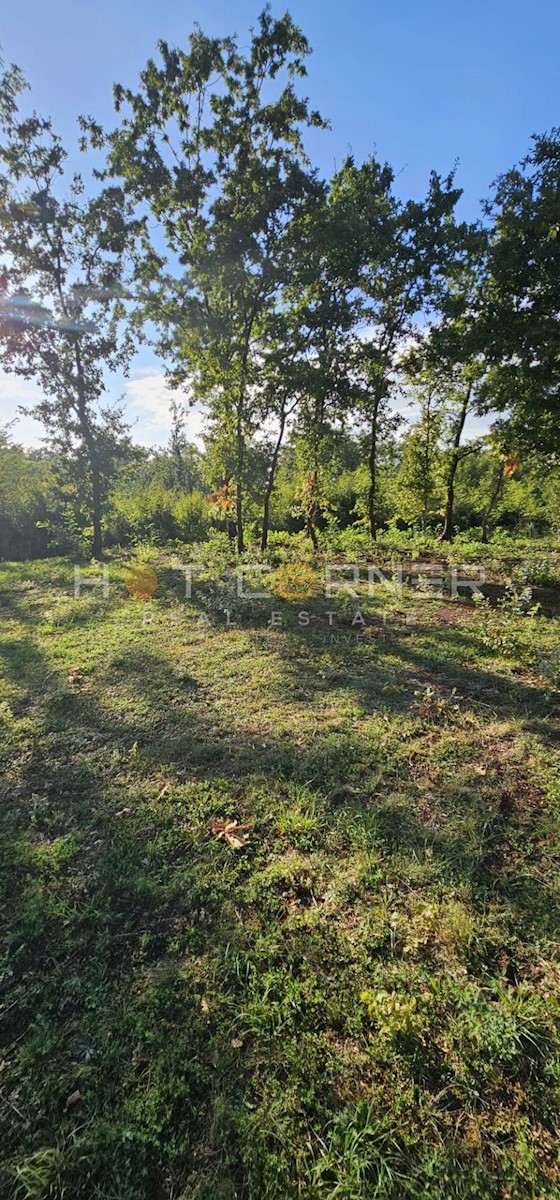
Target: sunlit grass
(184, 1019)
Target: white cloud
(148, 398)
(13, 393)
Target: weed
(212, 838)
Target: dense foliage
(280, 890)
(300, 313)
(149, 500)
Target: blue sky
(425, 85)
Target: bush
(151, 512)
(192, 517)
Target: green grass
(360, 1002)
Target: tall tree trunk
(266, 511)
(494, 497)
(372, 493)
(427, 462)
(240, 444)
(270, 481)
(310, 525)
(93, 459)
(240, 437)
(447, 531)
(311, 511)
(446, 534)
(180, 466)
(312, 506)
(97, 541)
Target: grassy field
(352, 992)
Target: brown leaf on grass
(232, 832)
(73, 1098)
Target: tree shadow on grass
(126, 913)
(138, 719)
(390, 668)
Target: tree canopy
(299, 313)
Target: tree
(449, 354)
(419, 483)
(282, 392)
(25, 489)
(323, 348)
(404, 253)
(459, 394)
(520, 311)
(61, 288)
(218, 160)
(185, 458)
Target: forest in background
(299, 313)
(164, 498)
(280, 770)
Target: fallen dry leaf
(73, 1098)
(232, 832)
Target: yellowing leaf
(232, 832)
(511, 466)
